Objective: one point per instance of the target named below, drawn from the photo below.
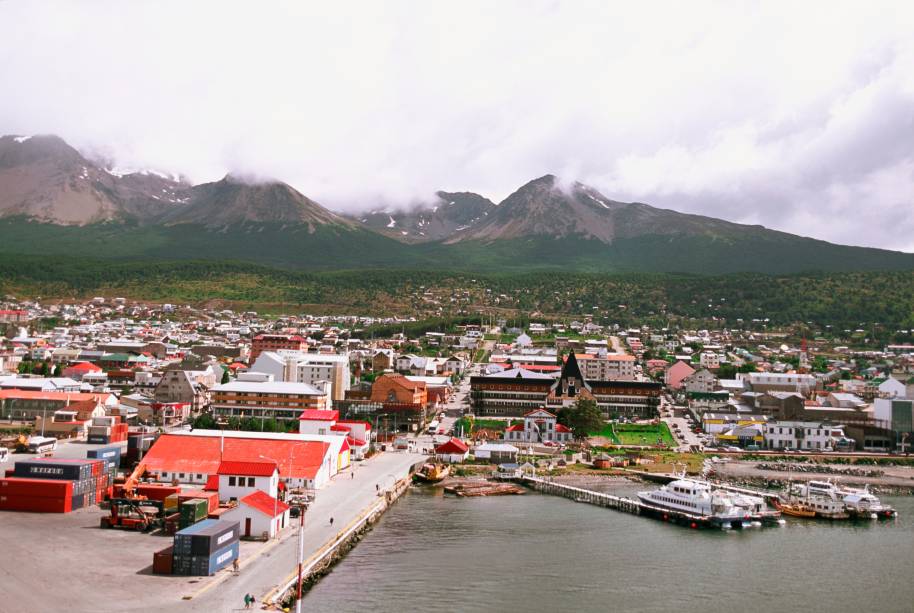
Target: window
(181, 476)
(250, 481)
(231, 481)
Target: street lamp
(301, 553)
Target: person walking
(235, 565)
(247, 601)
(331, 521)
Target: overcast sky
(798, 116)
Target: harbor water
(543, 553)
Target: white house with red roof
(259, 515)
(540, 426)
(317, 421)
(452, 451)
(323, 422)
(80, 369)
(239, 478)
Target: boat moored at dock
(699, 499)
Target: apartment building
(310, 368)
(257, 395)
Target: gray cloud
(791, 116)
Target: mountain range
(56, 201)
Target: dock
(635, 507)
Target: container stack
(212, 498)
(205, 547)
(112, 457)
(138, 444)
(51, 485)
(105, 430)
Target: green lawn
(644, 434)
(637, 434)
(607, 432)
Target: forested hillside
(845, 300)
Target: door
(247, 526)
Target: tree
(583, 418)
(204, 421)
(225, 376)
(58, 370)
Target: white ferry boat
(700, 499)
(821, 497)
(860, 503)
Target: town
(259, 445)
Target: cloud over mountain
(788, 115)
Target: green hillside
(877, 301)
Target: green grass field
(637, 434)
(607, 432)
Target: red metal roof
(515, 428)
(455, 445)
(561, 428)
(266, 504)
(319, 415)
(355, 442)
(212, 484)
(84, 366)
(246, 469)
(178, 453)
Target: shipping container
(157, 492)
(111, 455)
(162, 561)
(183, 540)
(171, 523)
(35, 505)
(171, 502)
(54, 468)
(36, 488)
(193, 511)
(214, 537)
(212, 498)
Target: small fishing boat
(796, 509)
(432, 473)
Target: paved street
(344, 500)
